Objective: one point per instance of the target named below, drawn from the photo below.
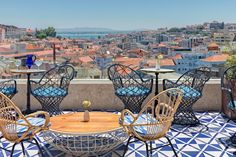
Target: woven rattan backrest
(124, 76)
(167, 104)
(59, 76)
(196, 78)
(9, 113)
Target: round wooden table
(28, 72)
(70, 134)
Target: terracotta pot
(86, 116)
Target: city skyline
(117, 15)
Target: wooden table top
(154, 70)
(27, 71)
(73, 123)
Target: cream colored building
(2, 34)
(223, 37)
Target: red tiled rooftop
(217, 58)
(5, 50)
(177, 56)
(85, 59)
(164, 62)
(38, 53)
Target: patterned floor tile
(187, 141)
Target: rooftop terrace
(186, 141)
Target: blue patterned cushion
(189, 92)
(49, 92)
(7, 90)
(132, 91)
(32, 120)
(231, 106)
(142, 119)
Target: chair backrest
(59, 76)
(124, 76)
(161, 116)
(228, 82)
(196, 78)
(9, 114)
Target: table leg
(28, 110)
(156, 93)
(156, 90)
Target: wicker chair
(192, 83)
(152, 123)
(131, 86)
(16, 127)
(52, 88)
(8, 88)
(228, 87)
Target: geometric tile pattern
(188, 142)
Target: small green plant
(86, 104)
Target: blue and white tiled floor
(186, 141)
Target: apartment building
(2, 34)
(223, 37)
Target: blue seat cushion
(143, 119)
(189, 92)
(132, 91)
(49, 92)
(231, 105)
(32, 120)
(7, 90)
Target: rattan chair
(131, 86)
(228, 87)
(152, 123)
(52, 88)
(16, 127)
(8, 88)
(192, 83)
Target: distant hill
(84, 29)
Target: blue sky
(115, 14)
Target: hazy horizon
(116, 15)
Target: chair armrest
(10, 82)
(169, 84)
(124, 113)
(226, 89)
(46, 115)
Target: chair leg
(36, 142)
(151, 148)
(147, 149)
(127, 145)
(23, 148)
(12, 150)
(171, 146)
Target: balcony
(186, 140)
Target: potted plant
(86, 106)
(158, 61)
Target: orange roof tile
(213, 45)
(86, 59)
(164, 62)
(177, 56)
(217, 58)
(5, 50)
(32, 47)
(38, 53)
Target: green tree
(174, 29)
(50, 32)
(44, 33)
